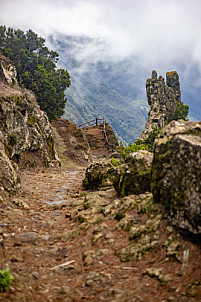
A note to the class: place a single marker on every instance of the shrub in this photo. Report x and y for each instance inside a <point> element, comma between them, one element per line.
<point>146,144</point>
<point>114,162</point>
<point>181,112</point>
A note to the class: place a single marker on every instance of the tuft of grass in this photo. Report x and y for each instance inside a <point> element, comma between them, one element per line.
<point>6,280</point>
<point>83,194</point>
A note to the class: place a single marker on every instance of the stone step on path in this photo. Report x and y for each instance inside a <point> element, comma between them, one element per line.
<point>59,195</point>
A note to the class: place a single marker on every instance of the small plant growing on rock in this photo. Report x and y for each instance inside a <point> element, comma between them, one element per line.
<point>6,280</point>
<point>125,151</point>
<point>114,162</point>
<point>146,144</point>
<point>181,112</point>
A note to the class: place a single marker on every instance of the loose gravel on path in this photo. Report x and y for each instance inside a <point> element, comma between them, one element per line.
<point>63,244</point>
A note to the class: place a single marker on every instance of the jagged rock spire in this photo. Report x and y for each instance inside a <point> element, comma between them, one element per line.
<point>163,99</point>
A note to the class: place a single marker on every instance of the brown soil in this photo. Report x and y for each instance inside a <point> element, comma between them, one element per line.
<point>71,143</point>
<point>35,258</point>
<point>97,142</point>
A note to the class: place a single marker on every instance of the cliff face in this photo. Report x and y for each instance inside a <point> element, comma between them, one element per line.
<point>25,132</point>
<point>163,99</point>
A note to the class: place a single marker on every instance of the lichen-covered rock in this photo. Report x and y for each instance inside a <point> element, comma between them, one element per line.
<point>135,251</point>
<point>8,71</point>
<point>163,99</point>
<point>98,174</point>
<point>26,134</point>
<point>159,274</point>
<point>9,179</point>
<point>176,173</point>
<point>26,130</point>
<point>172,247</point>
<point>134,176</point>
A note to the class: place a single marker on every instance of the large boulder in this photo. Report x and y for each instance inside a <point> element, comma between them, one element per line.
<point>176,173</point>
<point>98,174</point>
<point>27,132</point>
<point>134,176</point>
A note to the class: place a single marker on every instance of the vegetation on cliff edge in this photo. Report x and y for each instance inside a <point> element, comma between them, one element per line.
<point>36,68</point>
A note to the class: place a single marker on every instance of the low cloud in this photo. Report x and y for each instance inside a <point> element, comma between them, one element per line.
<point>157,34</point>
<point>153,30</point>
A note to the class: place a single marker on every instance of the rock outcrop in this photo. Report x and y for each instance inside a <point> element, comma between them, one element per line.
<point>97,141</point>
<point>176,173</point>
<point>163,99</point>
<point>98,174</point>
<point>131,177</point>
<point>7,71</point>
<point>25,132</point>
<point>9,179</point>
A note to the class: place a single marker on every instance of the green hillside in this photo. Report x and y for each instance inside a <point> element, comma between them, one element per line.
<point>97,90</point>
<point>88,100</point>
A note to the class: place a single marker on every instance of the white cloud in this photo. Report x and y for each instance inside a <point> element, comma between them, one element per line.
<point>157,34</point>
<point>154,30</point>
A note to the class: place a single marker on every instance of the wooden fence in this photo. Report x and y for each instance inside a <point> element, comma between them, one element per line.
<point>109,146</point>
<point>94,122</point>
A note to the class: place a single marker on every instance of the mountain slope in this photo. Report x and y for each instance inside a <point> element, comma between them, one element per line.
<point>104,86</point>
<point>99,89</point>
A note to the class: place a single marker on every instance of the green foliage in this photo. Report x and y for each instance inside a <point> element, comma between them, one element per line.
<point>146,144</point>
<point>6,280</point>
<point>36,68</point>
<point>181,112</point>
<point>149,141</point>
<point>114,162</point>
<point>124,151</point>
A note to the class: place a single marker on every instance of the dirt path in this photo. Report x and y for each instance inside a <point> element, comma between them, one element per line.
<point>63,246</point>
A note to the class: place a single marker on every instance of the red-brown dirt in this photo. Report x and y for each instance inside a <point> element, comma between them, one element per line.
<point>97,141</point>
<point>45,246</point>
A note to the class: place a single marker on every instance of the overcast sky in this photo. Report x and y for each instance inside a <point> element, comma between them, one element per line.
<point>160,33</point>
<point>156,30</point>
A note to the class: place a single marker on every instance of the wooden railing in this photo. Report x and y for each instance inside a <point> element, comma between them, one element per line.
<point>109,146</point>
<point>94,122</point>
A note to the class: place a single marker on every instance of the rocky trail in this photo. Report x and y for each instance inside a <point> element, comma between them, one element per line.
<point>63,244</point>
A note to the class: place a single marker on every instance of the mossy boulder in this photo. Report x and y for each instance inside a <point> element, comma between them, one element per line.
<point>98,174</point>
<point>134,176</point>
<point>176,173</point>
